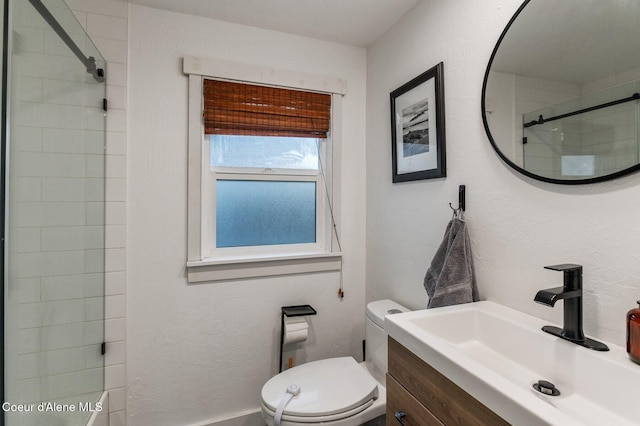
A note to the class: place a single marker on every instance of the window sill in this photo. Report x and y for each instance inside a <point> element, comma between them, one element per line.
<point>223,269</point>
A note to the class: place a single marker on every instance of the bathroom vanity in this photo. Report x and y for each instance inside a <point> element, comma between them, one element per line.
<point>483,363</point>
<point>417,394</point>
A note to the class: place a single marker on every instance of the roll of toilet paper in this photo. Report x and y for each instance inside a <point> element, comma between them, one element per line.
<point>295,330</point>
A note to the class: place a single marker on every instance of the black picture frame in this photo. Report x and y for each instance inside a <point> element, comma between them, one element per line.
<point>418,146</point>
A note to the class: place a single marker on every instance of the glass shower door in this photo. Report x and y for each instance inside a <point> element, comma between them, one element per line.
<point>54,277</point>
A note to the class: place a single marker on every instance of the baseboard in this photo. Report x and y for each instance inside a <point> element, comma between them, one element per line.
<point>244,418</point>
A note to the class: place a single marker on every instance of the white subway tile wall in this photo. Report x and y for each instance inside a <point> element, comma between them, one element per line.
<point>106,22</point>
<point>56,242</point>
<point>70,222</point>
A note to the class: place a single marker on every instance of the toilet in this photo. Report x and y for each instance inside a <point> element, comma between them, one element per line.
<point>335,391</point>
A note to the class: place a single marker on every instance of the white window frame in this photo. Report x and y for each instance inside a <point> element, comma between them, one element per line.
<point>207,264</point>
<point>209,249</point>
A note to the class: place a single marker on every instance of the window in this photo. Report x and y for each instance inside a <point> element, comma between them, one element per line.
<point>275,201</point>
<point>260,181</point>
<point>265,186</point>
<point>267,192</point>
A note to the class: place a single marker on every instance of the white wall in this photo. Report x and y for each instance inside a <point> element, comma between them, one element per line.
<point>202,352</point>
<point>517,225</point>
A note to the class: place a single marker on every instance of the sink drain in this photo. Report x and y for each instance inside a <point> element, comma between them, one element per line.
<point>546,388</point>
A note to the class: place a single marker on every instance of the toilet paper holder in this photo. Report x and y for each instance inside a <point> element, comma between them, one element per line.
<point>291,311</point>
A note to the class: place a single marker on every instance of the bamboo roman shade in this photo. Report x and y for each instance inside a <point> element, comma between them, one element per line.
<point>243,109</point>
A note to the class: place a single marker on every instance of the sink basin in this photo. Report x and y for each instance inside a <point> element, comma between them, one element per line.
<point>496,354</point>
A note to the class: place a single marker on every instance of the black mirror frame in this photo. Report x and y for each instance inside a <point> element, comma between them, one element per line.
<point>504,157</point>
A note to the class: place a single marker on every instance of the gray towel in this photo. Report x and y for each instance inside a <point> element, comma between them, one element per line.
<point>450,279</point>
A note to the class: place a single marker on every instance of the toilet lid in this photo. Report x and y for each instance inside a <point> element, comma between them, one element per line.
<point>327,387</point>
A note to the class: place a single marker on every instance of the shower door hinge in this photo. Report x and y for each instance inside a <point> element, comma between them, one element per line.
<point>104,104</point>
<point>103,348</point>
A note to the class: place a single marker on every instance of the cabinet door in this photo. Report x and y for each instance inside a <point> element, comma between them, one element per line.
<point>399,400</point>
<point>447,401</point>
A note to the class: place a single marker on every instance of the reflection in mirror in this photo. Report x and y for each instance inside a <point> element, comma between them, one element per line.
<point>560,99</point>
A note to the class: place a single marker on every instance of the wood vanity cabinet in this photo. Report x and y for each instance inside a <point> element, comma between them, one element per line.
<point>426,397</point>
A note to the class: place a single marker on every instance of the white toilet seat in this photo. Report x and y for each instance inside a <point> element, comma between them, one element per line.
<point>330,390</point>
<point>321,419</point>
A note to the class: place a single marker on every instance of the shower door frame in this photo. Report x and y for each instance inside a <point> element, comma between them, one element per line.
<point>3,176</point>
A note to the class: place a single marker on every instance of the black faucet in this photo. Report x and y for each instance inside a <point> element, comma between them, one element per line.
<point>571,292</point>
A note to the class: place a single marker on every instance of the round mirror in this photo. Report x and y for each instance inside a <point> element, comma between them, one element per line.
<point>561,94</point>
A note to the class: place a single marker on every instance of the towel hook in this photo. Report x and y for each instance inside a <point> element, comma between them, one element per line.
<point>461,201</point>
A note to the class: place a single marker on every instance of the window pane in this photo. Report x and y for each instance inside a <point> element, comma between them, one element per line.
<point>264,151</point>
<point>257,213</point>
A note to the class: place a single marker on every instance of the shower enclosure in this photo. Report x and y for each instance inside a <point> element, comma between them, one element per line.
<point>53,183</point>
<point>594,135</point>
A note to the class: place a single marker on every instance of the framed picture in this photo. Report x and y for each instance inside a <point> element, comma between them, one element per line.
<point>417,128</point>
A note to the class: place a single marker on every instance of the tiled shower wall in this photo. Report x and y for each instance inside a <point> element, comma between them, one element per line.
<point>610,134</point>
<point>55,234</point>
<point>532,94</point>
<point>44,160</point>
<point>106,22</point>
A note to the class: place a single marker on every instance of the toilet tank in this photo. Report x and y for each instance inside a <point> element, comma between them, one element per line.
<point>376,337</point>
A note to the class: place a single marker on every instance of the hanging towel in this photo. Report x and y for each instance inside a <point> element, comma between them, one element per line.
<point>450,279</point>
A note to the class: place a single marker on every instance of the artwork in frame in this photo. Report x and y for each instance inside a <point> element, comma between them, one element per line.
<point>417,128</point>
